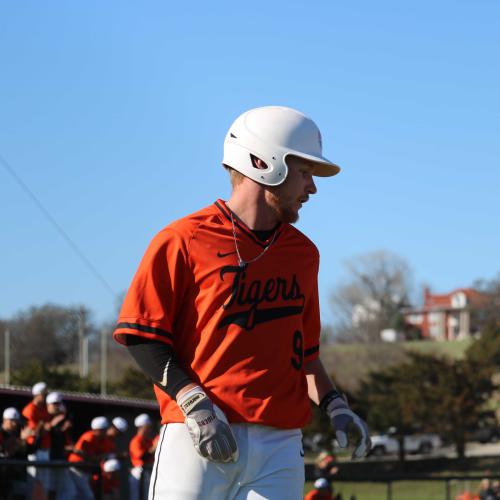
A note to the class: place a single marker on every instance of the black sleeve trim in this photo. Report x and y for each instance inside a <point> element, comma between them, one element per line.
<point>312,350</point>
<point>145,329</point>
<point>158,360</point>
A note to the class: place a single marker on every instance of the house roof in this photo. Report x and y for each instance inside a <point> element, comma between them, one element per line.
<point>443,302</point>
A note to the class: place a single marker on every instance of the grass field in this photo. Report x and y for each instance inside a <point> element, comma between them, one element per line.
<point>451,348</point>
<point>454,349</point>
<point>353,362</point>
<point>402,490</point>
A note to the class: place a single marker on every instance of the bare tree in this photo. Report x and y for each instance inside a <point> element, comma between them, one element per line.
<point>48,334</point>
<point>370,299</point>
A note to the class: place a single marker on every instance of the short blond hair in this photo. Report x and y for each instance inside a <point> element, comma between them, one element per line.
<point>235,176</point>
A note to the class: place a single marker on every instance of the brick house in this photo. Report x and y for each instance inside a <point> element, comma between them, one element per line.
<point>448,316</point>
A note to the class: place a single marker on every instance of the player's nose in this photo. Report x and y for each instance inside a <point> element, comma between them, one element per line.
<point>311,186</point>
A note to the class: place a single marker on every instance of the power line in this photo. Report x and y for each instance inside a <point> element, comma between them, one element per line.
<point>57,227</point>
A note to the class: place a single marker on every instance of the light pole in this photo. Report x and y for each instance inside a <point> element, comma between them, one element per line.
<point>6,352</point>
<point>83,344</point>
<point>104,361</point>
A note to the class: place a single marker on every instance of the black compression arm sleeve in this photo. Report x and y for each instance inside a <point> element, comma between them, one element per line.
<point>159,361</point>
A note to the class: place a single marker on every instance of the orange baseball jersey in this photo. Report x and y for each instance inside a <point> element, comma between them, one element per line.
<point>35,416</point>
<point>139,447</point>
<point>318,495</point>
<point>242,333</point>
<point>93,446</point>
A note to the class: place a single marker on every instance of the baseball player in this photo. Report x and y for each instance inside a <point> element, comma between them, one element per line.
<point>322,490</point>
<point>116,435</point>
<point>38,420</point>
<point>61,484</point>
<point>141,451</point>
<point>13,445</point>
<point>110,487</point>
<point>223,314</point>
<point>92,446</point>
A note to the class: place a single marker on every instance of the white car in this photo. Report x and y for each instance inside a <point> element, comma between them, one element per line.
<point>386,444</point>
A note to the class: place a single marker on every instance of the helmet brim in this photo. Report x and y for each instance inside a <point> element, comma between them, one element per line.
<point>321,166</point>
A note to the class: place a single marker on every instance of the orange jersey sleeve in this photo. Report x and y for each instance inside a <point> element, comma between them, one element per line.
<point>30,414</point>
<point>155,295</point>
<point>81,445</point>
<point>243,333</point>
<point>92,446</point>
<point>35,415</point>
<point>318,495</point>
<point>139,451</point>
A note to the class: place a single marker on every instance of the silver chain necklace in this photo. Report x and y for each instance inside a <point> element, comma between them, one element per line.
<point>244,263</point>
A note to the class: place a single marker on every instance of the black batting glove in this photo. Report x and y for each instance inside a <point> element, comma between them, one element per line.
<point>344,419</point>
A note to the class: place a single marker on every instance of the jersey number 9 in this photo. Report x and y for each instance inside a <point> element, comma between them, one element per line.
<point>298,350</point>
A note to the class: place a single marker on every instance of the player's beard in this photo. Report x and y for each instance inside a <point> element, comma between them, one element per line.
<point>285,211</point>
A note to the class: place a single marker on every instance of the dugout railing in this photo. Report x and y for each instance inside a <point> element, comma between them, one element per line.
<point>387,480</point>
<point>8,468</point>
<point>7,465</point>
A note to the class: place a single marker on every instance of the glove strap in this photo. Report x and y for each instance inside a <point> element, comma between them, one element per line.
<point>328,398</point>
<point>187,402</point>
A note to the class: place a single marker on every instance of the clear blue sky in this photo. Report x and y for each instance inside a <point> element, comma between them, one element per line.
<point>114,113</point>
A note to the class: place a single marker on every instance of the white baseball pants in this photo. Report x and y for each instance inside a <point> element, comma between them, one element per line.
<point>270,466</point>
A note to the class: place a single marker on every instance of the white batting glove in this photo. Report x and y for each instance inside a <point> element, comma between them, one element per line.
<point>344,419</point>
<point>209,429</point>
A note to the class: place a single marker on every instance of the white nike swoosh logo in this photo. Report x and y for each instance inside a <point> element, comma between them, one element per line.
<point>165,373</point>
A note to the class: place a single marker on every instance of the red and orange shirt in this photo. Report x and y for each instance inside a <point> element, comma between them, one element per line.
<point>110,483</point>
<point>139,453</point>
<point>242,333</point>
<point>92,446</point>
<point>35,416</point>
<point>318,495</point>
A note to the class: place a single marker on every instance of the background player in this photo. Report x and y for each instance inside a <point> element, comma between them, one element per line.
<point>93,446</point>
<point>61,444</point>
<point>141,450</point>
<point>38,420</point>
<point>223,314</point>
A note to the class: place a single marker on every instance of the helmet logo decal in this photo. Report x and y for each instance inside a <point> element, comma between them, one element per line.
<point>258,163</point>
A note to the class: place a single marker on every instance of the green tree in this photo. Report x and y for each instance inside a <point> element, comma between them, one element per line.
<point>486,313</point>
<point>485,350</point>
<point>135,384</point>
<point>428,394</point>
<point>57,379</point>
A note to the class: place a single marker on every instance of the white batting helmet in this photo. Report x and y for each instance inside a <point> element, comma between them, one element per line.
<point>11,413</point>
<point>111,465</point>
<point>142,419</point>
<point>99,423</point>
<point>120,423</point>
<point>272,133</point>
